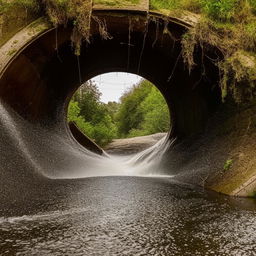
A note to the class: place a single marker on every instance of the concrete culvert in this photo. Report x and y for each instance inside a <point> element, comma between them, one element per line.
<point>38,80</point>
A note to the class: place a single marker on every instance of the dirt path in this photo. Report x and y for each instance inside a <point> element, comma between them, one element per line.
<point>133,145</point>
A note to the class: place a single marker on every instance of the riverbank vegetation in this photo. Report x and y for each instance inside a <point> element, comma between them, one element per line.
<point>142,110</point>
<point>230,27</point>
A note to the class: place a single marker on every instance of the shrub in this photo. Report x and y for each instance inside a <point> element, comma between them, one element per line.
<point>222,10</point>
<point>228,164</point>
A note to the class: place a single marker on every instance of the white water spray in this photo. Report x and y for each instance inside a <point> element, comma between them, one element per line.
<point>11,128</point>
<point>54,155</point>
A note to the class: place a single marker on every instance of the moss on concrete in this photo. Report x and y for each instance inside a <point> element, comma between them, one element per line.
<point>14,15</point>
<point>20,39</point>
<point>240,143</point>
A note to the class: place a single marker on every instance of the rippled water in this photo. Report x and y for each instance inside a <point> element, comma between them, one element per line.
<point>125,216</point>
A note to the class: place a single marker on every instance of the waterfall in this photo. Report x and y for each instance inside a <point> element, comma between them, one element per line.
<point>52,154</point>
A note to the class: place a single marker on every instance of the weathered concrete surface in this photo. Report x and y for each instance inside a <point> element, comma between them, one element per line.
<point>248,188</point>
<point>20,40</point>
<point>133,145</point>
<point>238,138</point>
<point>229,136</point>
<point>13,19</point>
<point>143,5</point>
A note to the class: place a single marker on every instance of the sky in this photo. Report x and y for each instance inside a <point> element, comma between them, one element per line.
<point>113,85</point>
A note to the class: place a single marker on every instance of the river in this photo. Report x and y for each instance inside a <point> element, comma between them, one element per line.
<point>126,216</point>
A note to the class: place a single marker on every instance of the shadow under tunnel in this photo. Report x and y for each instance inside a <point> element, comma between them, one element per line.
<point>42,78</point>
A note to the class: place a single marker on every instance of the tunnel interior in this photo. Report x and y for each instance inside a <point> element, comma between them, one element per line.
<point>40,81</point>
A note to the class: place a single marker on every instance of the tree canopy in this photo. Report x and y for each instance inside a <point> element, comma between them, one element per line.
<point>92,116</point>
<point>142,111</point>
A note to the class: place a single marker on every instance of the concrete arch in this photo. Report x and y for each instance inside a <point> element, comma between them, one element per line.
<point>38,81</point>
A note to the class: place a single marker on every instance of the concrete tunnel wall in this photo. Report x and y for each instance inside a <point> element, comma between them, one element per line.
<point>41,79</point>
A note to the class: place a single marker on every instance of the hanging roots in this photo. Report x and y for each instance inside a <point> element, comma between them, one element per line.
<point>130,30</point>
<point>56,11</point>
<point>239,76</point>
<point>157,22</point>
<point>235,46</point>
<point>77,11</point>
<point>82,12</point>
<point>102,25</point>
<point>144,42</point>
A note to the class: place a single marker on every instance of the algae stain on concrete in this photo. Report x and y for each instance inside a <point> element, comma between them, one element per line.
<point>139,5</point>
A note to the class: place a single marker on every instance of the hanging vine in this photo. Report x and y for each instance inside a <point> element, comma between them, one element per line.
<point>60,12</point>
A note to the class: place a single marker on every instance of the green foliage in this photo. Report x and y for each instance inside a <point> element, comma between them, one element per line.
<point>104,131</point>
<point>222,10</point>
<point>74,115</point>
<point>14,15</point>
<point>88,97</point>
<point>92,116</point>
<point>79,12</point>
<point>239,76</point>
<point>230,27</point>
<point>12,52</point>
<point>74,112</point>
<point>143,111</point>
<point>253,5</point>
<point>163,4</point>
<point>228,164</point>
<point>155,113</point>
<point>174,5</point>
<point>130,115</point>
<point>112,108</point>
<point>29,5</point>
<point>191,5</point>
<point>251,30</point>
<point>218,10</point>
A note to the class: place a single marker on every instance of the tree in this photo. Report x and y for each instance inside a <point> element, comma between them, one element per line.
<point>156,113</point>
<point>91,115</point>
<point>143,111</point>
<point>88,98</point>
<point>113,108</point>
<point>129,115</point>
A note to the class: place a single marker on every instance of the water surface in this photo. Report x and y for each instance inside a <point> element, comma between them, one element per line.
<point>125,216</point>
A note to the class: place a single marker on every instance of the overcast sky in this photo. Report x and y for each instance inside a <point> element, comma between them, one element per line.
<point>112,85</point>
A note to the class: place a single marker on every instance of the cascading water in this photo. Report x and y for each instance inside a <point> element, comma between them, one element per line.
<point>11,129</point>
<point>52,154</point>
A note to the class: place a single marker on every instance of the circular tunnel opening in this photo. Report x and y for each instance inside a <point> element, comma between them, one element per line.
<point>120,112</point>
<point>39,81</point>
